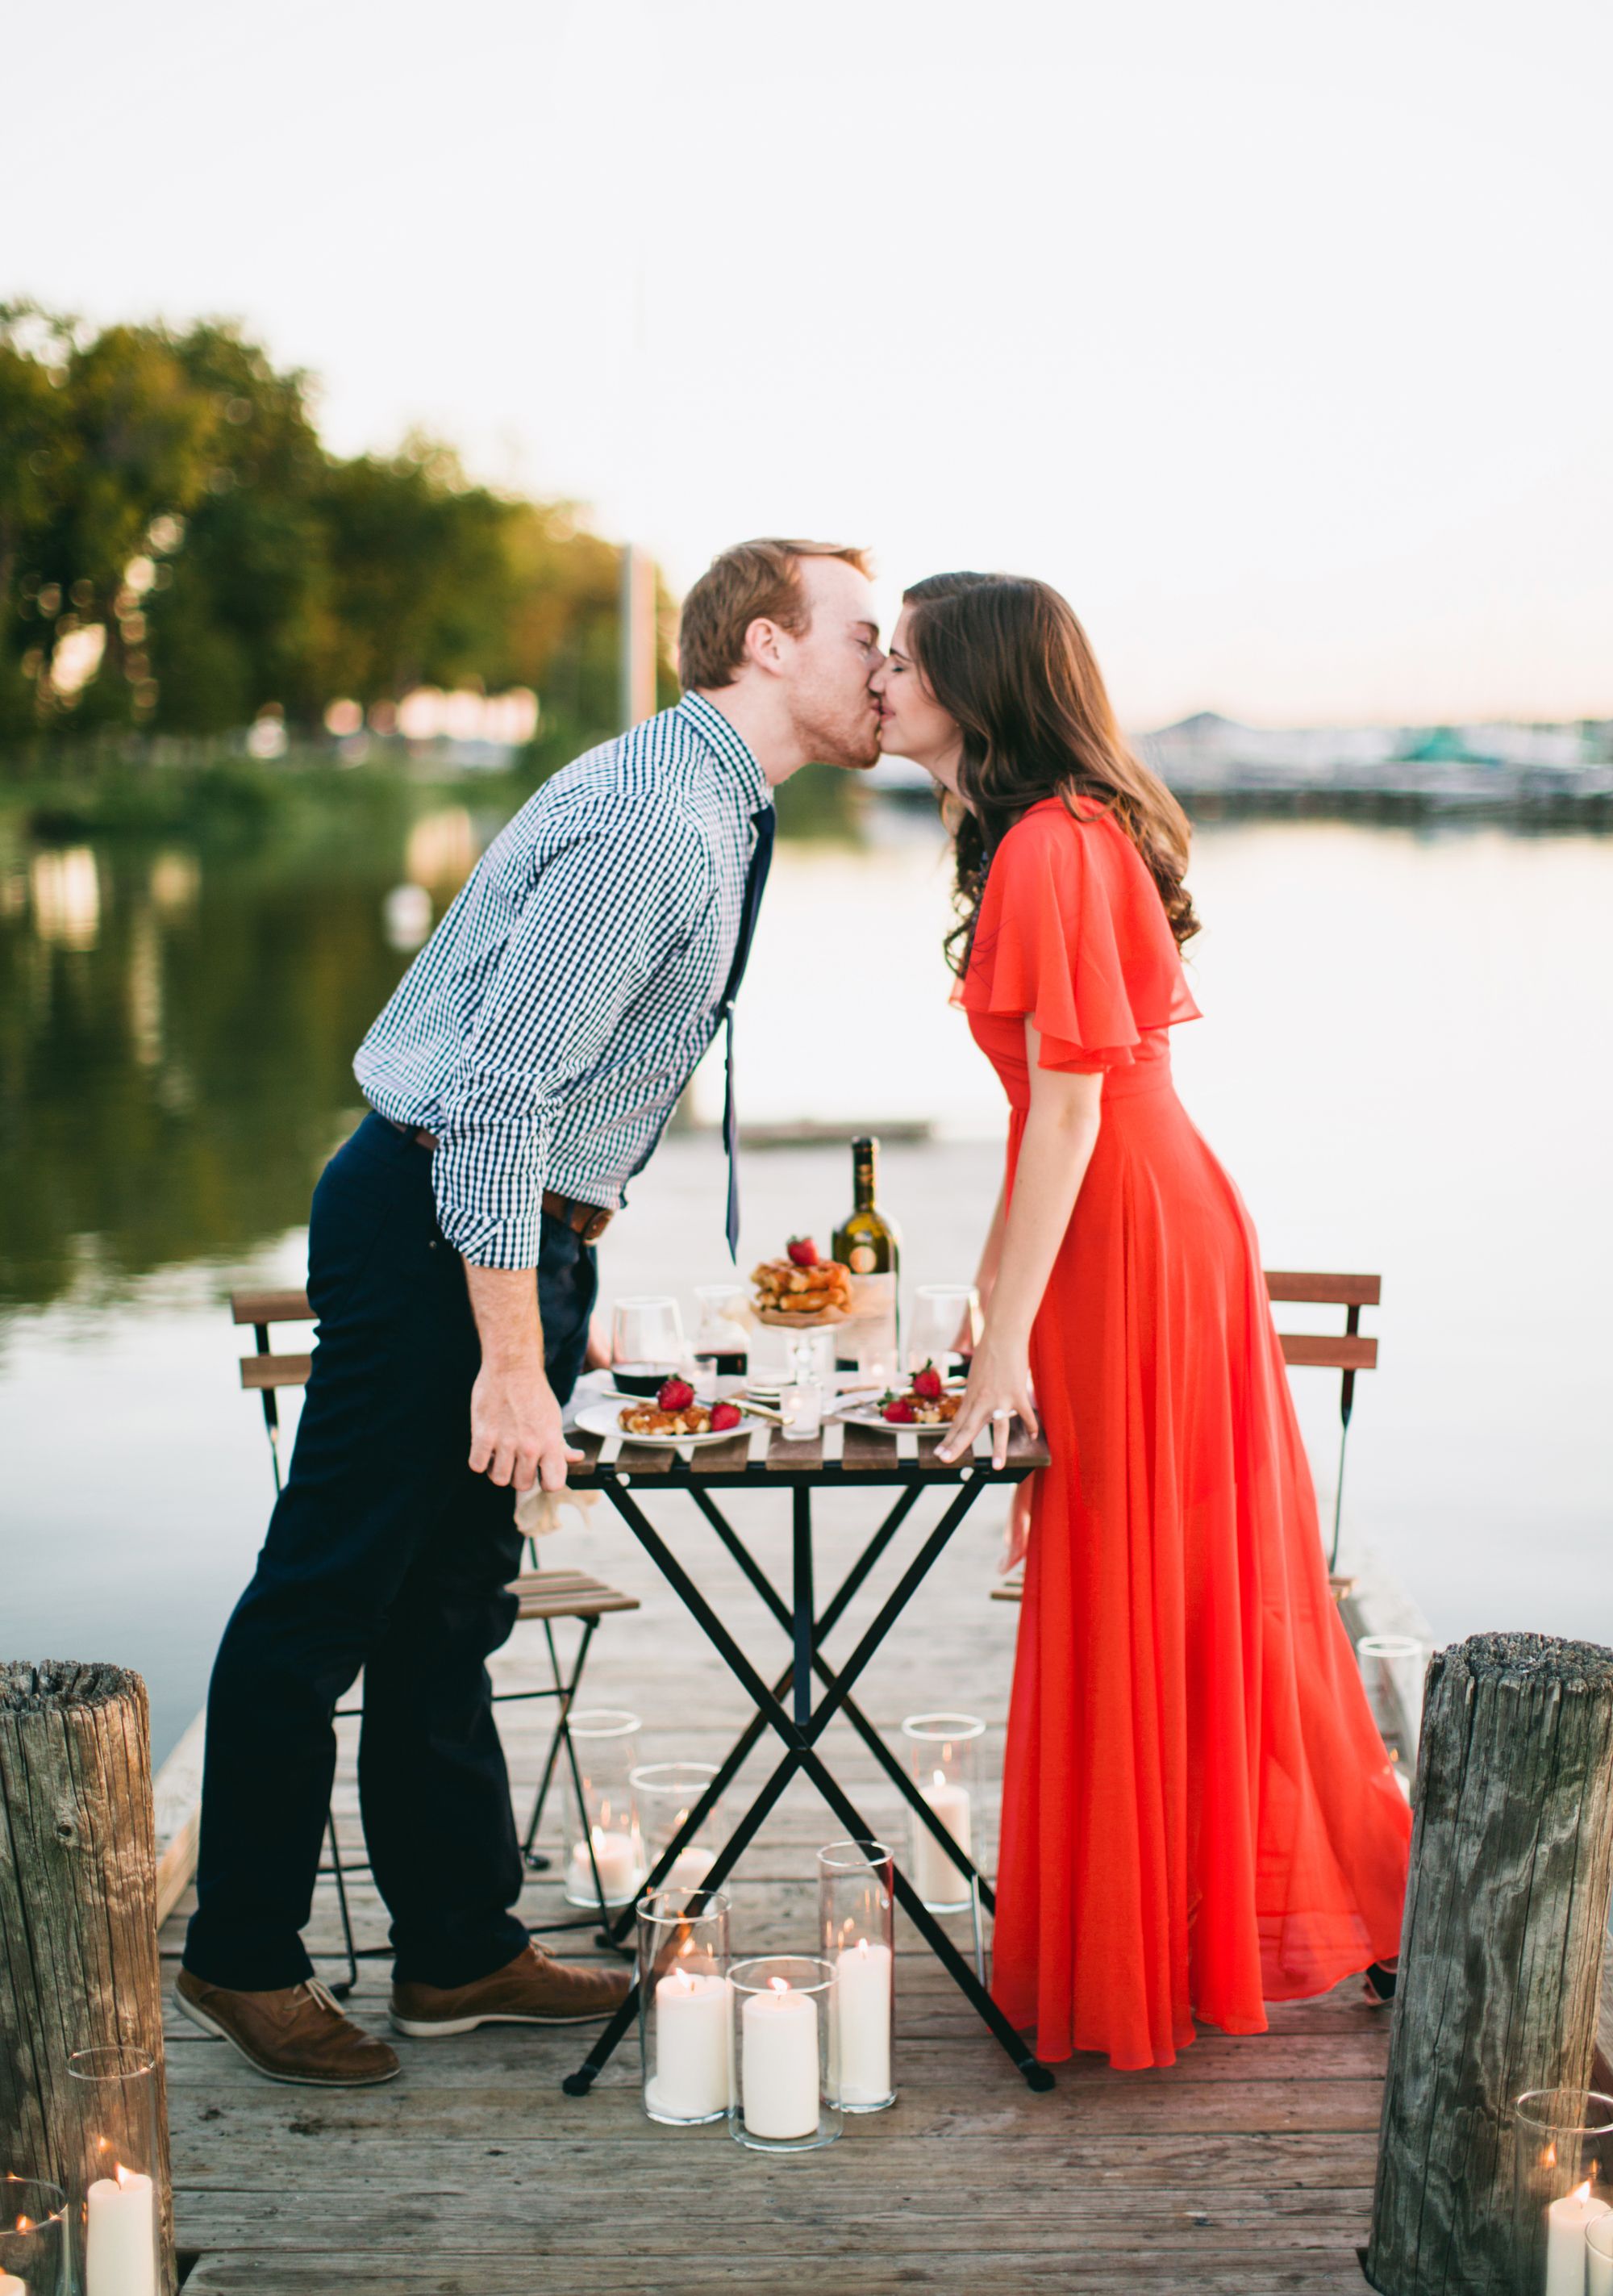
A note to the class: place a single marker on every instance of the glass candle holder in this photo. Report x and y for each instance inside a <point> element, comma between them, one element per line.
<point>1563,2151</point>
<point>116,2205</point>
<point>856,1926</point>
<point>605,1850</point>
<point>786,2081</point>
<point>944,1751</point>
<point>664,1794</point>
<point>33,2238</point>
<point>685,2007</point>
<point>1599,2256</point>
<point>802,1409</point>
<point>646,1342</point>
<point>1392,1668</point>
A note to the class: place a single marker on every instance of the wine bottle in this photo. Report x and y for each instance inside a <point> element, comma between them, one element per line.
<point>870,1245</point>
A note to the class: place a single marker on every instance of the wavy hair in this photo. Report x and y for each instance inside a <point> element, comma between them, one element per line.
<point>1006,658</point>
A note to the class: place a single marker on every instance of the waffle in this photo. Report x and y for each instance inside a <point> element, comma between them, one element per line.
<point>788,1294</point>
<point>649,1419</point>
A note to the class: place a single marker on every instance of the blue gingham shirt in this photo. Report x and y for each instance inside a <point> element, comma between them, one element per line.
<point>546,1029</point>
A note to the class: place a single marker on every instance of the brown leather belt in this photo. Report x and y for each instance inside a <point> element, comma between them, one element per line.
<point>588,1221</point>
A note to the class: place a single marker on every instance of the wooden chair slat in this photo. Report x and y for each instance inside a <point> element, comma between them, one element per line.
<point>1009,1590</point>
<point>270,1306</point>
<point>582,1603</point>
<point>1326,1291</point>
<point>275,1371</point>
<point>1329,1350</point>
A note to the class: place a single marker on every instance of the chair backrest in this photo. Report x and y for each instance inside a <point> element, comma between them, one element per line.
<point>263,1372</point>
<point>1347,1351</point>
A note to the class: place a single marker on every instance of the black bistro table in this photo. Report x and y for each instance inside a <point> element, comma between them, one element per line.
<point>801,1704</point>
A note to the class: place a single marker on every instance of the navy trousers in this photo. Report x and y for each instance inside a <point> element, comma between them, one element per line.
<point>384,1553</point>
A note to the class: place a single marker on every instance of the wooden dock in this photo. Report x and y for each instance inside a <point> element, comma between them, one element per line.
<point>1246,2169</point>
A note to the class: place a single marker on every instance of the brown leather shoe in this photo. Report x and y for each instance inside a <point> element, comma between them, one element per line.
<point>297,2033</point>
<point>533,1989</point>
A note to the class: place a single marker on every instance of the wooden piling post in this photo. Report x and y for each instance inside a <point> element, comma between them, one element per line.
<point>78,1962</point>
<point>1502,1951</point>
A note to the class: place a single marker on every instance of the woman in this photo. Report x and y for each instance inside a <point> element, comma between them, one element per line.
<point>1198,1813</point>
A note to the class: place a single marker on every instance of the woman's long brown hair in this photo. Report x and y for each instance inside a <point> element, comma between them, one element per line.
<point>1007,658</point>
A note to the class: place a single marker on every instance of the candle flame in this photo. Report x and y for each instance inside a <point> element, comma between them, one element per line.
<point>862,1947</point>
<point>25,2224</point>
<point>940,1777</point>
<point>684,1981</point>
<point>596,1834</point>
<point>1548,2158</point>
<point>1581,2192</point>
<point>126,2176</point>
<point>687,1947</point>
<point>779,1984</point>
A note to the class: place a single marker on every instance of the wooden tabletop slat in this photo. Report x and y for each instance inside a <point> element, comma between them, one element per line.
<point>723,1458</point>
<point>645,1459</point>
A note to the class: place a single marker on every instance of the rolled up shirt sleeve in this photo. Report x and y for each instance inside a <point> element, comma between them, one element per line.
<point>604,911</point>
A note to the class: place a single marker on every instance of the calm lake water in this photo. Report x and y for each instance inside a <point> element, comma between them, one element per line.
<point>1405,1063</point>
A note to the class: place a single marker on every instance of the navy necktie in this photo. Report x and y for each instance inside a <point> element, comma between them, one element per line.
<point>760,861</point>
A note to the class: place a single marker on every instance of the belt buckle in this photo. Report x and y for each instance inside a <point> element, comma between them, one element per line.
<point>594,1226</point>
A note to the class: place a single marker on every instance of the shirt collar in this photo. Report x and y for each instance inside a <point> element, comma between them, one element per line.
<point>728,744</point>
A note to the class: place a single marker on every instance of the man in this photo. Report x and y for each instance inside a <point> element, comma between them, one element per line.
<point>519,1078</point>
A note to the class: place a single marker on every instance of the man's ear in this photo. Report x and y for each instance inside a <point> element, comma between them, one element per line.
<point>765,646</point>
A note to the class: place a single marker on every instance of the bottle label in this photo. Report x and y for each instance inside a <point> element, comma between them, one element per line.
<point>865,1259</point>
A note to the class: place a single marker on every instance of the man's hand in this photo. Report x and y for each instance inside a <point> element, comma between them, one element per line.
<point>515,1429</point>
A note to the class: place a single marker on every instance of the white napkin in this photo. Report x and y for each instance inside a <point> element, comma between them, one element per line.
<point>538,1511</point>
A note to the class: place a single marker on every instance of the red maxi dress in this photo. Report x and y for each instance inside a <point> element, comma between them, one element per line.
<point>1198,1812</point>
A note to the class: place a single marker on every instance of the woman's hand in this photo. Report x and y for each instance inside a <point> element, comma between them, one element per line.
<point>999,1386</point>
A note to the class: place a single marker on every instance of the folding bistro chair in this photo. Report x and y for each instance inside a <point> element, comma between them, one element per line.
<point>1345,1352</point>
<point>545,1596</point>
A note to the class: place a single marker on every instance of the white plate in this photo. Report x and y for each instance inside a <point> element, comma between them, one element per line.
<point>602,1419</point>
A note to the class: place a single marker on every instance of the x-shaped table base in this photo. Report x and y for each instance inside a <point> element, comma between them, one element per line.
<point>801,1724</point>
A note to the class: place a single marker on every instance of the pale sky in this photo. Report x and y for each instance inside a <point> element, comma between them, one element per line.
<point>1278,336</point>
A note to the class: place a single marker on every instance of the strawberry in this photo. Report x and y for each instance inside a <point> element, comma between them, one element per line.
<point>675,1395</point>
<point>802,1251</point>
<point>927,1384</point>
<point>900,1412</point>
<point>725,1415</point>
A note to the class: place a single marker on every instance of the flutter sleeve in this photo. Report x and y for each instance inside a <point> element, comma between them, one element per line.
<point>1073,937</point>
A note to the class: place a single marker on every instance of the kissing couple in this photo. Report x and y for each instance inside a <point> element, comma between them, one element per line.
<point>1198,1813</point>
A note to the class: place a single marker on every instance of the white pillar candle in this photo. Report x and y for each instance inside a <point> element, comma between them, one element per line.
<point>1566,2250</point>
<point>9,2285</point>
<point>780,2063</point>
<point>935,1877</point>
<point>690,1867</point>
<point>862,2008</point>
<point>1598,2272</point>
<point>693,2045</point>
<point>616,1854</point>
<point>120,2240</point>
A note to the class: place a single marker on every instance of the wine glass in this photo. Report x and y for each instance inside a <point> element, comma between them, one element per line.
<point>646,1342</point>
<point>945,1326</point>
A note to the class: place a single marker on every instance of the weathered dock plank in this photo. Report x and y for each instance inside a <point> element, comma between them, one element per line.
<point>1244,2170</point>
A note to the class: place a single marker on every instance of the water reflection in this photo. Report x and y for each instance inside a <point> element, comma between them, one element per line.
<point>175,1039</point>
